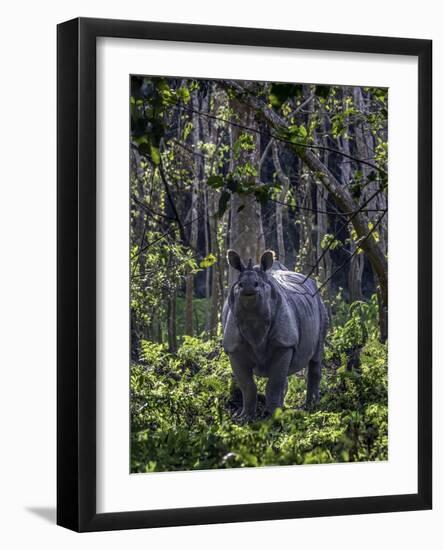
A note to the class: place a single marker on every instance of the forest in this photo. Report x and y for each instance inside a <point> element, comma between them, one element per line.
<point>300,169</point>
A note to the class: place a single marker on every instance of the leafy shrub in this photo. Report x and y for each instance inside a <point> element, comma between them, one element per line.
<point>353,325</point>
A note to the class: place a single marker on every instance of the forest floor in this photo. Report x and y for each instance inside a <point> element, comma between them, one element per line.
<point>181,413</point>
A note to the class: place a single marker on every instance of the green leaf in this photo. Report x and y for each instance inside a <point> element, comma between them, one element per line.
<point>140,139</point>
<point>330,242</point>
<point>155,155</point>
<point>184,94</point>
<point>375,234</point>
<point>297,134</point>
<point>209,260</point>
<point>303,132</point>
<point>187,130</point>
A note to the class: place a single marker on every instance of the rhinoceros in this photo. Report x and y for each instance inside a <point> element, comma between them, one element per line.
<point>274,324</point>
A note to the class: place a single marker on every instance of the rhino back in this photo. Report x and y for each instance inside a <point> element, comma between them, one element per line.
<point>300,316</point>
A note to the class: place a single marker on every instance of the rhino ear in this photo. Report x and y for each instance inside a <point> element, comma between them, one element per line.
<point>235,261</point>
<point>267,260</point>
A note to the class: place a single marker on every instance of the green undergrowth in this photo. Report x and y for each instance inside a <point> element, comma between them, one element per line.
<point>181,412</point>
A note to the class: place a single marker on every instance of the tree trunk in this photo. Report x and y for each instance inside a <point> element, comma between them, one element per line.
<point>135,338</point>
<point>208,247</point>
<point>193,212</point>
<point>172,323</point>
<point>284,181</point>
<point>246,229</point>
<point>325,265</point>
<point>213,318</point>
<point>357,261</point>
<point>306,257</point>
<point>355,275</point>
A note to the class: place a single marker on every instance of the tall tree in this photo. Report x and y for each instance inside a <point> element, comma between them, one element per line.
<point>193,215</point>
<point>246,228</point>
<point>279,205</point>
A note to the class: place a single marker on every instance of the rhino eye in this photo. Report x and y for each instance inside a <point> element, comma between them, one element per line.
<point>255,284</point>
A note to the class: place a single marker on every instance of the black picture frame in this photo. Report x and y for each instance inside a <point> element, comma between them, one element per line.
<point>76,281</point>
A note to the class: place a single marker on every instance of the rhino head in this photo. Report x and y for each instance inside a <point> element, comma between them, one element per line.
<point>251,296</point>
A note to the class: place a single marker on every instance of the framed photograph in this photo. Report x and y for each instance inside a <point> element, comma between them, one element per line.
<point>244,274</point>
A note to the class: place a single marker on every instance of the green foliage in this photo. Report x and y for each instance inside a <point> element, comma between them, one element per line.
<point>244,142</point>
<point>157,271</point>
<point>330,242</point>
<point>181,414</point>
<point>354,325</point>
<point>297,134</point>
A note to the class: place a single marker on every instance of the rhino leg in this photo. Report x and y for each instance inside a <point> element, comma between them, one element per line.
<point>314,377</point>
<point>277,384</point>
<point>243,371</point>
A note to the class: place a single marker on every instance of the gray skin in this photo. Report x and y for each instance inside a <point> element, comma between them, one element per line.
<point>273,326</point>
